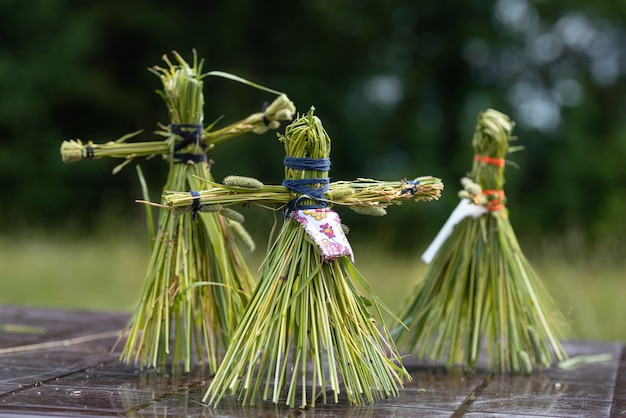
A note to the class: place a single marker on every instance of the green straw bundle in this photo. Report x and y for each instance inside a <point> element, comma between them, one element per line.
<point>307,328</point>
<point>366,196</point>
<point>479,288</point>
<point>197,283</point>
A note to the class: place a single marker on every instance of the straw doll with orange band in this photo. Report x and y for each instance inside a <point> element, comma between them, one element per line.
<point>480,290</point>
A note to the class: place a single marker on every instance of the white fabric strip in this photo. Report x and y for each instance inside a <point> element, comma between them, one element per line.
<point>464,209</point>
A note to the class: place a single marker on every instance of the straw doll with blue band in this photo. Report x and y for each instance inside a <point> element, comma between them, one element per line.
<point>197,283</point>
<point>480,290</point>
<point>307,330</point>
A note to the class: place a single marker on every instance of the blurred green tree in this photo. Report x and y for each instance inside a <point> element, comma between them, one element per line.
<point>398,84</point>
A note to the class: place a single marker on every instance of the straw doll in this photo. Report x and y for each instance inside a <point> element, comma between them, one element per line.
<point>480,289</point>
<point>307,325</point>
<point>197,283</point>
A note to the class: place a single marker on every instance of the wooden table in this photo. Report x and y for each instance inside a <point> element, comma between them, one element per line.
<point>59,363</point>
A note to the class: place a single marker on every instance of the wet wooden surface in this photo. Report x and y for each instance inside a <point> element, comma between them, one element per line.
<point>60,363</point>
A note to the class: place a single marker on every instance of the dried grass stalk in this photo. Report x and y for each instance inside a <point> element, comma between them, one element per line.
<point>480,290</point>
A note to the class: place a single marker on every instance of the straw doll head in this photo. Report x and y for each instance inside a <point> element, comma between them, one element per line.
<point>307,162</point>
<point>182,89</point>
<point>491,144</point>
<point>183,95</point>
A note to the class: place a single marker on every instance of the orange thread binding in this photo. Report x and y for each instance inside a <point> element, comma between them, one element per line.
<point>496,204</point>
<point>488,160</point>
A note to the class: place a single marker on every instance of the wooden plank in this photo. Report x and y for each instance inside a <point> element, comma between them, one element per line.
<point>55,362</point>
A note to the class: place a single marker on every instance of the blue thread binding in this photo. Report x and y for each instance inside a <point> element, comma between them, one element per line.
<point>89,152</point>
<point>411,187</point>
<point>303,187</point>
<point>266,120</point>
<point>317,164</point>
<point>196,205</point>
<point>191,133</point>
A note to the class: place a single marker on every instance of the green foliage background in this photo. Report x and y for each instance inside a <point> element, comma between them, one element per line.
<point>398,85</point>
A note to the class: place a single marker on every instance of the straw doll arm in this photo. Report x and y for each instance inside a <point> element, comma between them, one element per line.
<point>371,197</point>
<point>365,196</point>
<point>281,109</point>
<point>73,150</point>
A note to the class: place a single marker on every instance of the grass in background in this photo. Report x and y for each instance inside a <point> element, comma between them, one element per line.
<point>103,272</point>
<point>588,281</point>
<point>106,272</point>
